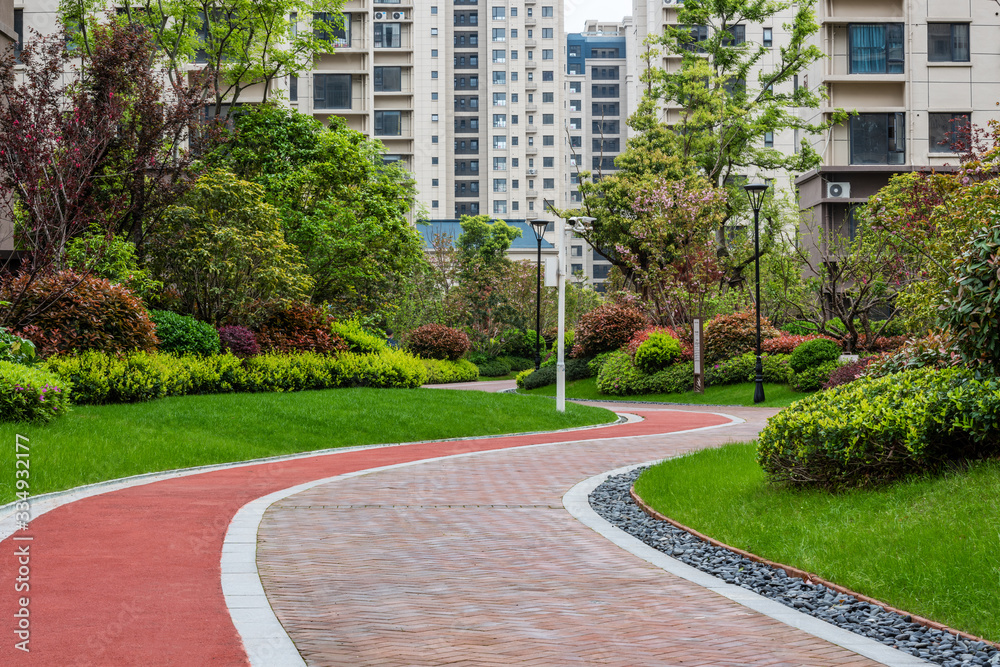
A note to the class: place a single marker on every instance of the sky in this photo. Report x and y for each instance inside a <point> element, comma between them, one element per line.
<point>579,11</point>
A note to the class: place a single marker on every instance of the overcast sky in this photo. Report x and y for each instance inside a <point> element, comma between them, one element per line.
<point>579,11</point>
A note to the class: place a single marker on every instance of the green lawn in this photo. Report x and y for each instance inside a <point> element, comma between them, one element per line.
<point>96,443</point>
<point>929,546</point>
<point>777,395</point>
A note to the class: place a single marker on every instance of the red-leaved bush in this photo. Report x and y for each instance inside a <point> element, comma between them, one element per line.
<point>298,327</point>
<point>239,341</point>
<point>436,341</point>
<point>608,327</point>
<point>729,336</point>
<point>62,313</point>
<point>687,347</point>
<point>786,342</point>
<point>849,372</point>
<point>881,343</point>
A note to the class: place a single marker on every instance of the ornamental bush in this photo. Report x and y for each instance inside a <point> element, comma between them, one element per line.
<point>729,336</point>
<point>876,430</point>
<point>16,349</point>
<point>812,378</point>
<point>297,327</point>
<point>436,341</point>
<point>238,341</point>
<point>608,327</point>
<point>848,372</point>
<point>519,363</point>
<point>744,369</point>
<point>786,343</point>
<point>657,352</point>
<point>31,394</point>
<point>80,313</point>
<point>972,308</point>
<point>935,350</point>
<point>619,376</point>
<point>576,369</point>
<point>494,368</point>
<point>813,353</point>
<point>358,340</point>
<point>183,334</point>
<point>681,336</point>
<point>444,371</point>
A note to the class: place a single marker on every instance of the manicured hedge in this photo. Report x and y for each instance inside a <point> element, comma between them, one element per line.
<point>183,334</point>
<point>100,378</point>
<point>744,369</point>
<point>444,371</point>
<point>494,368</point>
<point>358,340</point>
<point>875,430</point>
<point>576,369</point>
<point>658,351</point>
<point>619,376</point>
<point>31,394</point>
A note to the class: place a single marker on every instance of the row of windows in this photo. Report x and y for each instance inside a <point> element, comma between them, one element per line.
<point>880,138</point>
<point>574,51</point>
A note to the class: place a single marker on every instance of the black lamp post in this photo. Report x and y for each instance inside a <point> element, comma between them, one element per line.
<point>538,225</point>
<point>755,191</point>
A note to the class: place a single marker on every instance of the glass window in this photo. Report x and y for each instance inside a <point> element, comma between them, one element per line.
<point>388,79</point>
<point>500,143</point>
<point>388,123</point>
<point>338,36</point>
<point>387,35</point>
<point>946,130</point>
<point>737,35</point>
<point>548,183</point>
<point>878,138</point>
<point>548,75</point>
<point>547,11</point>
<point>548,119</point>
<point>293,89</point>
<point>699,33</point>
<point>499,120</point>
<point>500,207</point>
<point>499,99</point>
<point>548,162</point>
<point>768,36</point>
<point>549,140</point>
<point>575,86</point>
<point>548,98</point>
<point>876,48</point>
<point>547,54</point>
<point>769,140</point>
<point>499,55</point>
<point>499,185</point>
<point>546,33</point>
<point>499,164</point>
<point>499,77</point>
<point>948,42</point>
<point>499,13</point>
<point>576,123</point>
<point>332,91</point>
<point>19,32</point>
<point>499,35</point>
<point>576,105</point>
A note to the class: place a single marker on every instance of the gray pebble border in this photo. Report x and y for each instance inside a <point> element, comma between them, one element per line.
<point>612,502</point>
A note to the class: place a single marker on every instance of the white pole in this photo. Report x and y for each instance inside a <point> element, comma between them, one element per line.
<point>561,331</point>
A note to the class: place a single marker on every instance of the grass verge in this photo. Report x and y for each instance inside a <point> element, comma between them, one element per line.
<point>97,443</point>
<point>777,395</point>
<point>929,546</point>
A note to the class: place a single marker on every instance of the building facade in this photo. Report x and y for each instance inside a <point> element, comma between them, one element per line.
<point>11,25</point>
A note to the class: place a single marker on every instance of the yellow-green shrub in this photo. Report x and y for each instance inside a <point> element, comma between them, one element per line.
<point>31,394</point>
<point>443,371</point>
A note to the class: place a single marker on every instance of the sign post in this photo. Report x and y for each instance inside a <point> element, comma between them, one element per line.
<point>699,355</point>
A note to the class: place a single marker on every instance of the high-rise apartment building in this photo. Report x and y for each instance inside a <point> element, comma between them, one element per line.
<point>11,26</point>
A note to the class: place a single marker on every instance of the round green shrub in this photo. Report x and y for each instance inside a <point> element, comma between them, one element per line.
<point>31,394</point>
<point>973,304</point>
<point>657,352</point>
<point>619,376</point>
<point>812,378</point>
<point>183,334</point>
<point>493,368</point>
<point>813,353</point>
<point>875,430</point>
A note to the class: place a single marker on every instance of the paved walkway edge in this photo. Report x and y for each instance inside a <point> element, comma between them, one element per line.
<point>264,639</point>
<point>577,503</point>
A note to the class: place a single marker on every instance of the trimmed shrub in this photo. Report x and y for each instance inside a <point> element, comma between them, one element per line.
<point>682,337</point>
<point>298,327</point>
<point>608,327</point>
<point>813,353</point>
<point>15,349</point>
<point>183,334</point>
<point>812,378</point>
<point>848,372</point>
<point>519,363</point>
<point>358,340</point>
<point>79,314</point>
<point>31,394</point>
<point>881,343</point>
<point>238,341</point>
<point>799,328</point>
<point>619,376</point>
<point>973,303</point>
<point>876,430</point>
<point>729,336</point>
<point>443,371</point>
<point>494,368</point>
<point>597,363</point>
<point>519,343</point>
<point>436,341</point>
<point>744,369</point>
<point>522,376</point>
<point>786,343</point>
<point>576,369</point>
<point>657,352</point>
<point>936,350</point>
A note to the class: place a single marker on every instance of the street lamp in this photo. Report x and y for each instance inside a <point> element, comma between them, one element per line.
<point>579,225</point>
<point>538,225</point>
<point>755,192</point>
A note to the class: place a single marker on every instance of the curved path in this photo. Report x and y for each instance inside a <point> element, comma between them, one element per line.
<point>468,560</point>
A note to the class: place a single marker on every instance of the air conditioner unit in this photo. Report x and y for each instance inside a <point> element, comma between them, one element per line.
<point>380,16</point>
<point>532,171</point>
<point>838,190</point>
<point>399,16</point>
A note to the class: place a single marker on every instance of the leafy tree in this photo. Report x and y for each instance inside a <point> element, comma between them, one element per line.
<point>222,249</point>
<point>340,205</point>
<point>484,242</point>
<point>240,44</point>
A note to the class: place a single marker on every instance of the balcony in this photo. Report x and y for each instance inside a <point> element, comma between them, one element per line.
<point>530,20</point>
<point>531,129</point>
<point>531,194</point>
<point>531,85</point>
<point>531,150</point>
<point>531,107</point>
<point>530,64</point>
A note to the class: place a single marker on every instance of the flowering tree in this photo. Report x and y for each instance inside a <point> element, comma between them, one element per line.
<point>672,256</point>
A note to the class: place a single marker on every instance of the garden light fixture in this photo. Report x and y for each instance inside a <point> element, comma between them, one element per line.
<point>755,192</point>
<point>538,225</point>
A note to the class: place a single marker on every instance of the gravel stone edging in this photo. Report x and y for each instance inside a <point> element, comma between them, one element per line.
<point>612,500</point>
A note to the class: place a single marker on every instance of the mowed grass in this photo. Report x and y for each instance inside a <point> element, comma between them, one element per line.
<point>928,546</point>
<point>97,443</point>
<point>777,395</point>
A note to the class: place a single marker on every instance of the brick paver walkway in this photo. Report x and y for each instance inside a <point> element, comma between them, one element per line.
<point>474,561</point>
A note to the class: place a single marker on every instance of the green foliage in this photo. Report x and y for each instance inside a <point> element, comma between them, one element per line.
<point>872,431</point>
<point>223,248</point>
<point>436,341</point>
<point>812,378</point>
<point>484,241</point>
<point>608,327</point>
<point>63,312</point>
<point>182,334</point>
<point>813,353</point>
<point>597,363</point>
<point>519,363</point>
<point>729,336</point>
<point>520,378</point>
<point>935,350</point>
<point>744,369</point>
<point>100,378</point>
<point>494,368</point>
<point>15,349</point>
<point>443,371</point>
<point>31,394</point>
<point>112,258</point>
<point>576,369</point>
<point>619,376</point>
<point>972,308</point>
<point>358,340</point>
<point>657,352</point>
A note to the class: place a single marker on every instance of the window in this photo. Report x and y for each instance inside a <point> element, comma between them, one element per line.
<point>499,55</point>
<point>499,120</point>
<point>293,89</point>
<point>876,48</point>
<point>576,269</point>
<point>576,123</point>
<point>576,105</point>
<point>948,42</point>
<point>878,138</point>
<point>947,129</point>
<point>434,203</point>
<point>513,76</point>
<point>499,164</point>
<point>499,13</point>
<point>19,31</point>
<point>499,99</point>
<point>548,75</point>
<point>575,87</point>
<point>548,184</point>
<point>513,140</point>
<point>499,35</point>
<point>499,185</point>
<point>513,54</point>
<point>435,182</point>
<point>332,91</point>
<point>699,33</point>
<point>499,77</point>
<point>572,51</point>
<point>434,9</point>
<point>434,160</point>
<point>387,35</point>
<point>434,74</point>
<point>434,118</point>
<point>434,32</point>
<point>547,11</point>
<point>513,119</point>
<point>548,98</point>
<point>434,95</point>
<point>434,139</point>
<point>601,270</point>
<point>547,54</point>
<point>548,162</point>
<point>513,33</point>
<point>434,53</point>
<point>500,207</point>
<point>548,119</point>
<point>769,140</point>
<point>388,123</point>
<point>737,35</point>
<point>576,141</point>
<point>546,33</point>
<point>500,143</point>
<point>549,140</point>
<point>338,36</point>
<point>768,36</point>
<point>513,161</point>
